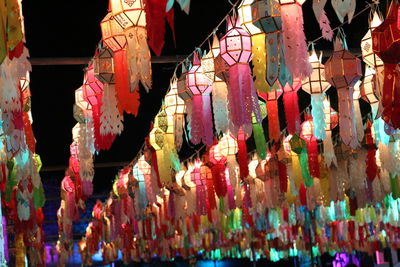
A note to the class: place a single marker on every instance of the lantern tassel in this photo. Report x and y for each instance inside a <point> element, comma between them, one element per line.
<point>220,98</point>
<point>259,62</point>
<point>292,113</point>
<point>294,40</point>
<point>197,129</point>
<point>346,117</point>
<point>242,157</point>
<point>317,111</point>
<point>272,55</point>
<point>218,174</point>
<point>329,153</point>
<point>259,139</point>
<point>208,134</point>
<point>274,130</point>
<point>358,120</point>
<point>110,119</point>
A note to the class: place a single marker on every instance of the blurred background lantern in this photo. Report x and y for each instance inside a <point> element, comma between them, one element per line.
<point>258,45</point>
<point>228,147</point>
<point>140,176</point>
<point>343,70</point>
<point>200,86</point>
<point>258,132</point>
<point>175,107</point>
<point>386,44</point>
<point>201,205</point>
<point>316,85</point>
<point>218,170</point>
<point>166,123</point>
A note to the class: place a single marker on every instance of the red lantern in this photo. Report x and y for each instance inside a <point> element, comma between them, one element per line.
<point>386,44</point>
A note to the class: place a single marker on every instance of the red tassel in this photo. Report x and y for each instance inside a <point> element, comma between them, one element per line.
<point>303,195</point>
<point>127,101</point>
<point>274,130</point>
<point>351,228</point>
<point>211,194</point>
<point>242,155</point>
<point>372,168</point>
<point>292,113</point>
<point>283,181</point>
<point>218,174</point>
<point>312,150</point>
<point>30,138</point>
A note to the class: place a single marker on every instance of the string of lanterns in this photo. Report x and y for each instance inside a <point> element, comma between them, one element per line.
<point>293,195</point>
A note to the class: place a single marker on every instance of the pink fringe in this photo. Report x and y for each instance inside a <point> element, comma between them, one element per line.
<point>292,113</point>
<point>196,120</point>
<point>294,40</point>
<point>208,134</point>
<point>325,26</point>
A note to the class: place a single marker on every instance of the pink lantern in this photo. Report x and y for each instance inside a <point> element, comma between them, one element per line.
<point>200,87</point>
<point>235,49</point>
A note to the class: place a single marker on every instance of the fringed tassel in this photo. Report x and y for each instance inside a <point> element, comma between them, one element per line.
<point>391,96</point>
<point>259,139</point>
<point>110,119</point>
<point>208,134</point>
<point>346,117</point>
<point>317,112</point>
<point>358,120</point>
<point>312,151</point>
<point>242,155</point>
<point>294,40</point>
<point>220,109</point>
<point>143,59</point>
<point>218,174</point>
<point>259,62</point>
<point>197,128</point>
<point>292,113</point>
<point>274,130</point>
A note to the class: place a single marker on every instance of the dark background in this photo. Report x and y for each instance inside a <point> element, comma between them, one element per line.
<point>71,29</point>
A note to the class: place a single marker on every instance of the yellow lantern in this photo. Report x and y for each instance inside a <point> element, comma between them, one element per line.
<point>157,142</point>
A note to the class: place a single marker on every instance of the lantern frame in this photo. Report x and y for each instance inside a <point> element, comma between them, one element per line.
<point>174,105</point>
<point>92,88</point>
<point>316,83</point>
<point>196,81</point>
<point>112,34</point>
<point>183,91</point>
<point>128,13</point>
<point>266,15</point>
<point>103,65</point>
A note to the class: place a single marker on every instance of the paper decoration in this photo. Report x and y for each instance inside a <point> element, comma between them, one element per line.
<point>291,105</point>
<point>320,15</point>
<point>343,70</point>
<point>387,50</point>
<point>218,171</point>
<point>343,8</point>
<point>273,116</point>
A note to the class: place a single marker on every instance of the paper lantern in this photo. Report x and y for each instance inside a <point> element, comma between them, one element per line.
<point>141,177</point>
<point>165,123</point>
<point>201,206</point>
<point>343,70</point>
<point>258,132</point>
<point>157,142</point>
<point>175,106</point>
<point>128,13</point>
<point>291,106</point>
<point>103,65</point>
<point>386,44</point>
<point>183,91</point>
<point>368,87</point>
<point>368,55</point>
<point>236,51</point>
<point>258,45</point>
<point>200,86</point>
<point>294,40</point>
<point>92,88</point>
<point>112,34</point>
<point>218,170</point>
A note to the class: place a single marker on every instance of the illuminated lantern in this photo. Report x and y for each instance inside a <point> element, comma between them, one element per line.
<point>200,86</point>
<point>219,88</point>
<point>157,142</point>
<point>131,17</point>
<point>291,105</point>
<point>103,67</point>
<point>206,175</point>
<point>267,17</point>
<point>201,205</point>
<point>166,123</point>
<point>271,99</point>
<point>258,45</point>
<point>343,70</point>
<point>175,106</point>
<point>140,176</point>
<point>185,94</point>
<point>368,55</point>
<point>357,112</point>
<point>386,44</point>
<point>113,36</point>
<point>293,165</point>
<point>228,148</point>
<point>294,40</point>
<point>218,170</point>
<point>299,146</point>
<point>307,133</point>
<point>316,85</point>
<point>92,93</point>
<point>236,51</point>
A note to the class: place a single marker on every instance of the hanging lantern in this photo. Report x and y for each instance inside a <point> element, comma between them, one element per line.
<point>357,112</point>
<point>236,51</point>
<point>219,88</point>
<point>228,148</point>
<point>316,85</point>
<point>103,65</point>
<point>291,105</point>
<point>200,86</point>
<point>368,55</point>
<point>258,45</point>
<point>114,37</point>
<point>386,41</point>
<point>299,146</point>
<point>294,40</point>
<point>131,17</point>
<point>157,142</point>
<point>218,170</point>
<point>166,123</point>
<point>201,206</point>
<point>175,106</point>
<point>258,132</point>
<point>331,121</point>
<point>140,176</point>
<point>267,17</point>
<point>343,70</point>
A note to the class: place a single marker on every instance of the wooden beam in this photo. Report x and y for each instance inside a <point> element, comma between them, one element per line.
<point>55,61</point>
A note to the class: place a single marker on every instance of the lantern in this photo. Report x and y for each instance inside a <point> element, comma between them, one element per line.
<point>236,51</point>
<point>299,146</point>
<point>175,106</point>
<point>386,44</point>
<point>343,70</point>
<point>201,207</point>
<point>307,133</point>
<point>343,8</point>
<point>131,17</point>
<point>157,142</point>
<point>258,45</point>
<point>228,147</point>
<point>357,112</point>
<point>166,123</point>
<point>140,176</point>
<point>368,55</point>
<point>258,132</point>
<point>114,37</point>
<point>219,88</point>
<point>218,170</point>
<point>296,56</point>
<point>103,65</point>
<point>199,85</point>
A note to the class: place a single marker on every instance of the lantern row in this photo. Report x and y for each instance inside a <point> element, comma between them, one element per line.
<point>225,73</point>
<point>22,193</point>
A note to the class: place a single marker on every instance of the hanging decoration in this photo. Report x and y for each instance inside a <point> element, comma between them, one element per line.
<point>387,50</point>
<point>320,15</point>
<point>291,106</point>
<point>273,115</point>
<point>343,70</point>
<point>343,8</point>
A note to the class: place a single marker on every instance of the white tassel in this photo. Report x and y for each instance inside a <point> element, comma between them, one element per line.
<point>110,119</point>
